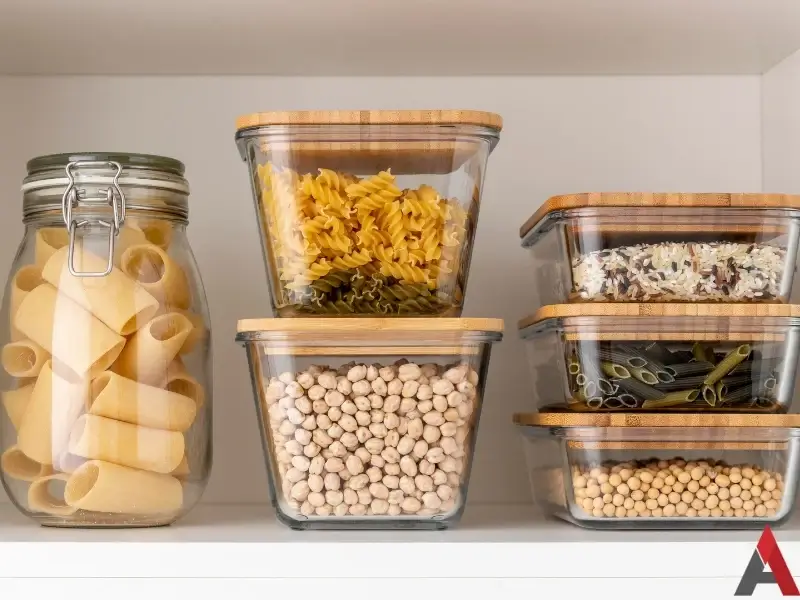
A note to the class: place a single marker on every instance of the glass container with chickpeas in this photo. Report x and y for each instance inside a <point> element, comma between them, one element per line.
<point>369,423</point>
<point>625,471</point>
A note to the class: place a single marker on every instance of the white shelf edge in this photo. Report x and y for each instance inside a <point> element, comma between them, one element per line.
<point>493,541</point>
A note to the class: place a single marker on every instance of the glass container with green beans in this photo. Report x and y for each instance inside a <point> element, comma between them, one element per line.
<point>672,358</point>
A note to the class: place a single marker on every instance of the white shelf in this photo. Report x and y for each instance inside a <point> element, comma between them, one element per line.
<point>236,541</point>
<point>397,37</point>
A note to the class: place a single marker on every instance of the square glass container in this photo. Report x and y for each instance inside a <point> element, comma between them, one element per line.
<point>367,212</point>
<point>626,357</point>
<point>660,471</point>
<point>369,423</point>
<point>637,247</point>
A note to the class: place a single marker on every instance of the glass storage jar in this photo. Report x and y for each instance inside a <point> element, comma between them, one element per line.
<point>678,471</point>
<point>636,247</point>
<point>105,338</point>
<point>628,357</point>
<point>367,212</point>
<point>369,423</point>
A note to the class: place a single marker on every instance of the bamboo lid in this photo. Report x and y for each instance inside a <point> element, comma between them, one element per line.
<point>635,309</point>
<point>371,117</point>
<point>564,419</point>
<point>368,325</point>
<point>658,200</point>
<point>341,331</point>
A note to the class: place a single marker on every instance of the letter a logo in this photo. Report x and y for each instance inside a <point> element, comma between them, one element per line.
<point>767,553</point>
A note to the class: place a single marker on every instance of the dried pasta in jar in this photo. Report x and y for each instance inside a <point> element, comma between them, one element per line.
<point>345,245</point>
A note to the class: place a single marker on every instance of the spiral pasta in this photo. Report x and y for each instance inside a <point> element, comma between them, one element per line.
<point>349,245</point>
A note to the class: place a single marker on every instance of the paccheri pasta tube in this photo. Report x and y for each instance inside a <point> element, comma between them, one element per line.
<point>182,470</point>
<point>41,500</point>
<point>80,341</point>
<point>348,245</point>
<point>56,402</point>
<point>158,274</point>
<point>48,241</point>
<point>24,281</point>
<point>16,401</point>
<point>180,382</point>
<point>198,333</point>
<point>116,397</point>
<point>105,487</point>
<point>115,299</point>
<point>23,358</point>
<point>723,376</point>
<point>158,233</point>
<point>67,463</point>
<point>18,466</point>
<point>150,350</point>
<point>122,443</point>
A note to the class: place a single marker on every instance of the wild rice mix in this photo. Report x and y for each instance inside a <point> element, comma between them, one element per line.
<point>680,271</point>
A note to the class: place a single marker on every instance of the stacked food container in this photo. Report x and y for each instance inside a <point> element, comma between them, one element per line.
<point>670,326</point>
<point>368,384</point>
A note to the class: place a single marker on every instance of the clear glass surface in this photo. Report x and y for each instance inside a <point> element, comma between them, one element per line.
<point>369,437</point>
<point>664,364</point>
<point>106,380</point>
<point>664,477</point>
<point>367,219</point>
<point>665,254</point>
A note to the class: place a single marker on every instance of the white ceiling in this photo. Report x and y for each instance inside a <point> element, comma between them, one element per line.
<point>396,37</point>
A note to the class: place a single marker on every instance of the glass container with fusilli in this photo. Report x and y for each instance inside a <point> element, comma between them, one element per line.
<point>367,212</point>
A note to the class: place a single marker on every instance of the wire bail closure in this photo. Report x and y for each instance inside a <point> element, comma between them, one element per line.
<point>71,200</point>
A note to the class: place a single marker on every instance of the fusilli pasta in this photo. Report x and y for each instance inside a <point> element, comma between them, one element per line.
<point>345,245</point>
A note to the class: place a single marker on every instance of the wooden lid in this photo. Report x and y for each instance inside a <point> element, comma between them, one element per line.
<point>634,309</point>
<point>371,117</point>
<point>658,200</point>
<point>640,419</point>
<point>368,325</point>
<point>359,332</point>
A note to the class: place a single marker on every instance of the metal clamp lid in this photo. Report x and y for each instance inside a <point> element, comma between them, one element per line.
<point>72,198</point>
